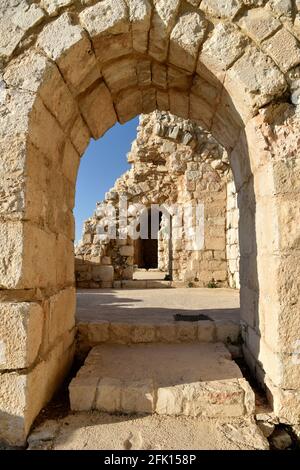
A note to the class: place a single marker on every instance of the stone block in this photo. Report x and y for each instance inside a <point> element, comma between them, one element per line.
<point>59,316</point>
<point>186,332</point>
<point>259,23</point>
<point>206,331</point>
<point>53,7</point>
<point>108,396</point>
<point>185,40</point>
<point>166,333</point>
<point>222,49</point>
<point>284,49</point>
<point>215,243</point>
<point>220,398</point>
<point>98,110</point>
<point>149,100</point>
<point>163,21</point>
<point>169,401</point>
<point>102,273</point>
<point>80,135</point>
<point>121,75</point>
<point>21,326</point>
<point>129,104</point>
<point>179,103</point>
<point>140,19</point>
<point>107,23</point>
<point>221,8</point>
<point>201,111</point>
<point>286,403</point>
<point>121,333</point>
<point>68,45</point>
<point>257,80</point>
<point>82,393</point>
<point>143,333</point>
<point>37,266</point>
<point>31,392</point>
<point>227,331</point>
<point>14,25</point>
<point>137,397</point>
<point>98,332</point>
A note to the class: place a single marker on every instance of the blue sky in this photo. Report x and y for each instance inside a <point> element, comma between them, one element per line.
<point>103,162</point>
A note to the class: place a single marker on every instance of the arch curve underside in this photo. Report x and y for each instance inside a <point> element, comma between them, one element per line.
<point>69,73</point>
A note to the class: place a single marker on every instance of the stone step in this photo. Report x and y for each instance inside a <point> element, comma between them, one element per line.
<point>166,379</point>
<point>142,284</point>
<point>92,333</point>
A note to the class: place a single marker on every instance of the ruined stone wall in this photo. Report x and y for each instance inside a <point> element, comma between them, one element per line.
<point>174,161</point>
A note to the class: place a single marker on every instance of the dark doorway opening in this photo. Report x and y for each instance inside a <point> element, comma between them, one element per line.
<point>146,249</point>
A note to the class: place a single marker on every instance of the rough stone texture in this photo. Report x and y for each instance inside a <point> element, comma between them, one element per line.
<point>166,386</point>
<point>24,320</point>
<point>225,45</point>
<point>221,8</point>
<point>256,83</point>
<point>185,40</point>
<point>232,237</point>
<point>67,44</point>
<point>108,18</point>
<point>173,162</point>
<point>37,197</point>
<point>259,24</point>
<point>140,18</point>
<point>284,49</point>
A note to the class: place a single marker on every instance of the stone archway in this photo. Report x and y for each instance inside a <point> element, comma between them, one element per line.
<point>67,75</point>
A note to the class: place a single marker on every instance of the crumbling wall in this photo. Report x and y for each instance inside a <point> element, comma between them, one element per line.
<point>175,163</point>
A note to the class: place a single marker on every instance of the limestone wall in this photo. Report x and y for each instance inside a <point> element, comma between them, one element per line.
<point>232,237</point>
<point>174,162</point>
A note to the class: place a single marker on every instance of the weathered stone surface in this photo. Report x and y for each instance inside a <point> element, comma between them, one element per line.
<point>17,413</point>
<point>53,7</point>
<point>68,45</point>
<point>120,76</point>
<point>16,21</point>
<point>284,49</point>
<point>259,24</point>
<point>163,21</point>
<point>107,23</point>
<point>137,397</point>
<point>185,40</point>
<point>98,110</point>
<point>27,73</point>
<point>165,386</point>
<point>140,18</point>
<point>128,105</point>
<point>83,393</point>
<point>109,395</point>
<point>21,326</point>
<point>225,45</point>
<point>259,81</point>
<point>221,8</point>
<point>58,321</point>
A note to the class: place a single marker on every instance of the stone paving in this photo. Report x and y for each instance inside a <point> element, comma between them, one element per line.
<point>147,316</point>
